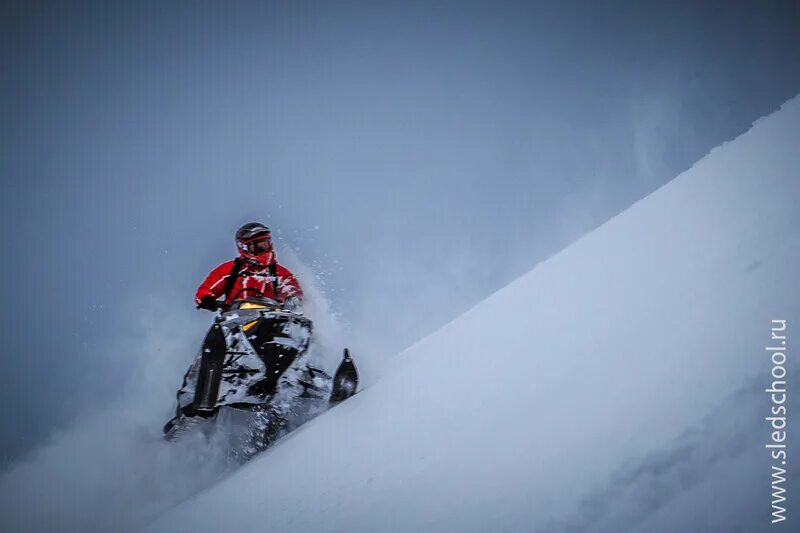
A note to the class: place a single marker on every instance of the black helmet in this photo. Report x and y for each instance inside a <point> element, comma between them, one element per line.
<point>250,231</point>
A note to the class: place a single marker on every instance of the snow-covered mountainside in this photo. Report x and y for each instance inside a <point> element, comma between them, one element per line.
<point>617,386</point>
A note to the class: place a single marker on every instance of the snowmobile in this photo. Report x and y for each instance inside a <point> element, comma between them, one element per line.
<point>251,361</point>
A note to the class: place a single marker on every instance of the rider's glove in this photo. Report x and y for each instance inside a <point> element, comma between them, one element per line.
<point>292,303</point>
<point>208,302</point>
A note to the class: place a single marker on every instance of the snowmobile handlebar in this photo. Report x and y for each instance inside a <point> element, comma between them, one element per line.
<point>258,299</point>
<point>241,301</point>
<point>259,303</point>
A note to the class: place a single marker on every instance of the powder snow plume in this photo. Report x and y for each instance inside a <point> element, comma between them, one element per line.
<point>112,470</point>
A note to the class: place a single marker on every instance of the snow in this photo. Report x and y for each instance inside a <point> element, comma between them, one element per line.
<point>616,386</point>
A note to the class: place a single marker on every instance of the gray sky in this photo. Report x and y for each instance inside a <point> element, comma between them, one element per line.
<point>417,155</point>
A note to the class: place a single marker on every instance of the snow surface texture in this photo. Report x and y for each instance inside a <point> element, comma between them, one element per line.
<point>617,386</point>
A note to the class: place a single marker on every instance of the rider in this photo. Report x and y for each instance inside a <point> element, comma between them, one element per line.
<point>257,273</point>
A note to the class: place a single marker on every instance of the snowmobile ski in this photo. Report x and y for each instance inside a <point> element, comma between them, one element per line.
<point>208,380</point>
<point>345,381</point>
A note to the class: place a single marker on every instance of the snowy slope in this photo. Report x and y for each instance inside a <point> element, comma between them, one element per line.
<point>593,393</point>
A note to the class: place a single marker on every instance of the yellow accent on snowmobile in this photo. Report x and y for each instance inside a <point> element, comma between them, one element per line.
<point>249,325</point>
<point>250,305</point>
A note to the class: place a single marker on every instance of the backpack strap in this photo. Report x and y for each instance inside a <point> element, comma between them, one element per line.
<point>273,272</point>
<point>232,277</point>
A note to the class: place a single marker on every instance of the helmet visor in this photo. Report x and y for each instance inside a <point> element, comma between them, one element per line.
<point>258,245</point>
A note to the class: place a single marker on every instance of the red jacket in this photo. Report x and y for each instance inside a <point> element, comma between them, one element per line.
<point>257,279</point>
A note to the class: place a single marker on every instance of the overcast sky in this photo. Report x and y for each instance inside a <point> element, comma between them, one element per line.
<point>416,156</point>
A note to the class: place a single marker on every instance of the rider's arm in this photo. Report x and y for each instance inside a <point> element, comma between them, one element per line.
<point>288,284</point>
<point>214,284</point>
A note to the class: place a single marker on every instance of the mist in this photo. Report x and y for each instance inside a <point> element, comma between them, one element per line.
<point>411,159</point>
